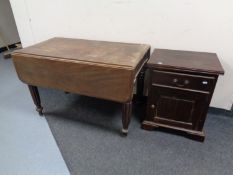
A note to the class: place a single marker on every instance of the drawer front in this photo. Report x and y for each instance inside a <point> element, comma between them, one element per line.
<point>181,80</point>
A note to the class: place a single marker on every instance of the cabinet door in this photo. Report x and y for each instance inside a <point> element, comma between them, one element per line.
<point>175,106</point>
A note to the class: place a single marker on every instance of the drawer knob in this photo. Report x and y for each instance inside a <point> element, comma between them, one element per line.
<point>152,106</point>
<point>186,82</point>
<point>175,80</point>
<point>204,82</point>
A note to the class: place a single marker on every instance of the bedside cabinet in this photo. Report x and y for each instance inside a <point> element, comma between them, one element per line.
<point>181,85</point>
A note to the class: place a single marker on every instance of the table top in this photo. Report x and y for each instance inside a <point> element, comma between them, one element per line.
<point>186,60</point>
<point>102,52</point>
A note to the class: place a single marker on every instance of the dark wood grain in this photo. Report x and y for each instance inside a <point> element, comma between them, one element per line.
<point>186,60</point>
<point>179,96</point>
<point>188,81</point>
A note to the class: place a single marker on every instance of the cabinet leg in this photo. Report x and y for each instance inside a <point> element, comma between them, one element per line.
<point>36,98</point>
<point>147,127</point>
<point>200,136</point>
<point>126,116</point>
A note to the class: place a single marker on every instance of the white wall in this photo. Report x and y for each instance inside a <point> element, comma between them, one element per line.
<point>199,25</point>
<point>8,30</point>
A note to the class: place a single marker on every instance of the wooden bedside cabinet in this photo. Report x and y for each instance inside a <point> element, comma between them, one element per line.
<point>181,85</point>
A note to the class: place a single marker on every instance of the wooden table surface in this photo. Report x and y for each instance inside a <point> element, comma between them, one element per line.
<point>186,60</point>
<point>102,52</point>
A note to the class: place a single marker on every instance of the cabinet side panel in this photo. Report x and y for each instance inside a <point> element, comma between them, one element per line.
<point>111,83</point>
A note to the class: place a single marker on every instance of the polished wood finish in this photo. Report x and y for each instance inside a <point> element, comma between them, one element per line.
<point>179,96</point>
<point>126,116</point>
<point>200,62</point>
<point>95,52</point>
<point>106,70</point>
<point>99,52</point>
<point>36,98</point>
<point>195,82</point>
<point>93,80</point>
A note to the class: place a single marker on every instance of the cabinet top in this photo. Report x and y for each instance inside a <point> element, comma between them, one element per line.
<point>186,60</point>
<point>100,52</point>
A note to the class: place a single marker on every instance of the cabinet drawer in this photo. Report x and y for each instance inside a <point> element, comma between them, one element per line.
<point>181,80</point>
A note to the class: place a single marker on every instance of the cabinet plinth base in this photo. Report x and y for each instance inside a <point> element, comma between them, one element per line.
<point>192,134</point>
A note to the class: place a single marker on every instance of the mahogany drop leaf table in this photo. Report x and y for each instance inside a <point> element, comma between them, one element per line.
<point>106,70</point>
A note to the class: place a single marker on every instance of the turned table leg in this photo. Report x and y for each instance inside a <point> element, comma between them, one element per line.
<point>126,116</point>
<point>36,98</point>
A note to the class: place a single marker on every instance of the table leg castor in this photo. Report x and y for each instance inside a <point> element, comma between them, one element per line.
<point>36,98</point>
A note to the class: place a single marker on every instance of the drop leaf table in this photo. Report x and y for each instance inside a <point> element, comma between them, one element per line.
<point>101,69</point>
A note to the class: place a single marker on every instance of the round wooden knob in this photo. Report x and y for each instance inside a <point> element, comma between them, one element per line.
<point>175,80</point>
<point>186,82</point>
<point>152,106</point>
